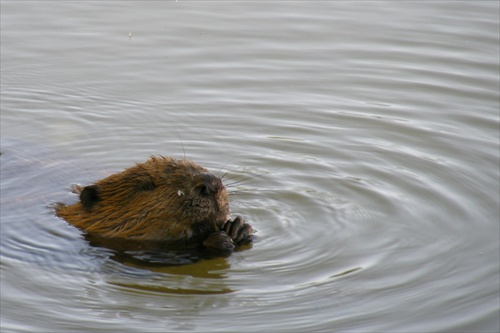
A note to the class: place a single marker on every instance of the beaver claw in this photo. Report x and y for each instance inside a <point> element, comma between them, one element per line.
<point>219,241</point>
<point>232,233</point>
<point>238,230</point>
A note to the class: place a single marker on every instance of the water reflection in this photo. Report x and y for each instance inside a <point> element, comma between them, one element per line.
<point>171,272</point>
<point>160,268</point>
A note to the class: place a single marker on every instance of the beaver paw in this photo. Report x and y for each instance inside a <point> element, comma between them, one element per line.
<point>219,241</point>
<point>232,233</point>
<point>239,231</point>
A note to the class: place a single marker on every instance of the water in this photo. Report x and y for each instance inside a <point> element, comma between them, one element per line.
<point>372,128</point>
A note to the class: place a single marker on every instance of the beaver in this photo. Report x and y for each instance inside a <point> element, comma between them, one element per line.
<point>163,200</point>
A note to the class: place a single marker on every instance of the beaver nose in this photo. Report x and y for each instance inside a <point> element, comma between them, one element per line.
<point>207,184</point>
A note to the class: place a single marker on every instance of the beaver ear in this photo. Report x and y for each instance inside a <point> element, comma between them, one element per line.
<point>90,195</point>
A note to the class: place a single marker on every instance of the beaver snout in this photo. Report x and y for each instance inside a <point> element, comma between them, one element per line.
<point>208,184</point>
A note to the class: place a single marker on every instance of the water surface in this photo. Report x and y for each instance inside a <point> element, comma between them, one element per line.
<point>368,133</point>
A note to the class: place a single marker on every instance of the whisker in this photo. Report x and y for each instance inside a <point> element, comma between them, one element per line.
<point>246,179</point>
<point>243,203</point>
<point>245,192</point>
<point>249,178</point>
<point>224,175</point>
<point>180,139</point>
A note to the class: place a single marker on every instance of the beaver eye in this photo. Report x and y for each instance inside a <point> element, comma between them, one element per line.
<point>148,186</point>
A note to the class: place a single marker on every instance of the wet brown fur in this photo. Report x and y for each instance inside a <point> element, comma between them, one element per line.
<point>162,199</point>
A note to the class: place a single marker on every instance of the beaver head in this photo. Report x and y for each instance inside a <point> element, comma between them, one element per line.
<point>162,199</point>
